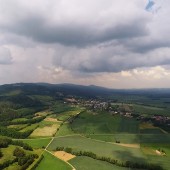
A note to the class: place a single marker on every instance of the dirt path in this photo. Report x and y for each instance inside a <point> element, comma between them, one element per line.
<point>128,145</point>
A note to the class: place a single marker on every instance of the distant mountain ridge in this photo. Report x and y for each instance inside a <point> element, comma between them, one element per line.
<point>73,89</point>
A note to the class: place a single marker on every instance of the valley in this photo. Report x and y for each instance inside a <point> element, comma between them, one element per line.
<point>56,128</point>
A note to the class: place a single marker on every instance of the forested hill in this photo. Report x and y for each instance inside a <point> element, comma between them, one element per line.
<point>75,90</point>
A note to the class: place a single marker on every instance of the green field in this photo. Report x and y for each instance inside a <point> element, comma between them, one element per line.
<point>37,143</point>
<point>7,153</point>
<point>142,109</point>
<point>152,131</point>
<point>65,129</point>
<point>155,138</point>
<point>86,163</point>
<point>79,143</point>
<point>104,123</point>
<point>52,163</point>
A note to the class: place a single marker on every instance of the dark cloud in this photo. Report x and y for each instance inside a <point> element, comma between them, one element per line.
<point>108,59</point>
<point>73,34</point>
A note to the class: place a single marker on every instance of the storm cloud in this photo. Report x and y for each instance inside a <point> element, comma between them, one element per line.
<point>82,37</point>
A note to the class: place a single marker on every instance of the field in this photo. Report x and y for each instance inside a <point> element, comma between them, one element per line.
<point>86,163</point>
<point>52,163</point>
<point>79,143</point>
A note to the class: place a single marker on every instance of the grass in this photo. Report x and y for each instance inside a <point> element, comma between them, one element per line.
<point>18,127</point>
<point>65,129</point>
<point>104,123</point>
<point>52,163</point>
<point>148,128</point>
<point>150,151</point>
<point>151,131</point>
<point>79,143</point>
<point>160,160</point>
<point>7,153</point>
<point>123,138</point>
<point>14,166</point>
<point>150,110</point>
<point>37,143</point>
<point>86,163</point>
<point>155,138</point>
<point>19,119</point>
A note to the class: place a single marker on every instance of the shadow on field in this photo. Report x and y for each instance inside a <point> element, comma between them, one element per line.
<point>128,156</point>
<point>155,138</point>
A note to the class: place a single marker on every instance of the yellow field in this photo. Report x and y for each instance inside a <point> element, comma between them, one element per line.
<point>45,131</point>
<point>64,155</point>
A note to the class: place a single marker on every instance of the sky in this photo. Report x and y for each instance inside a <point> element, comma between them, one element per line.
<point>110,43</point>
